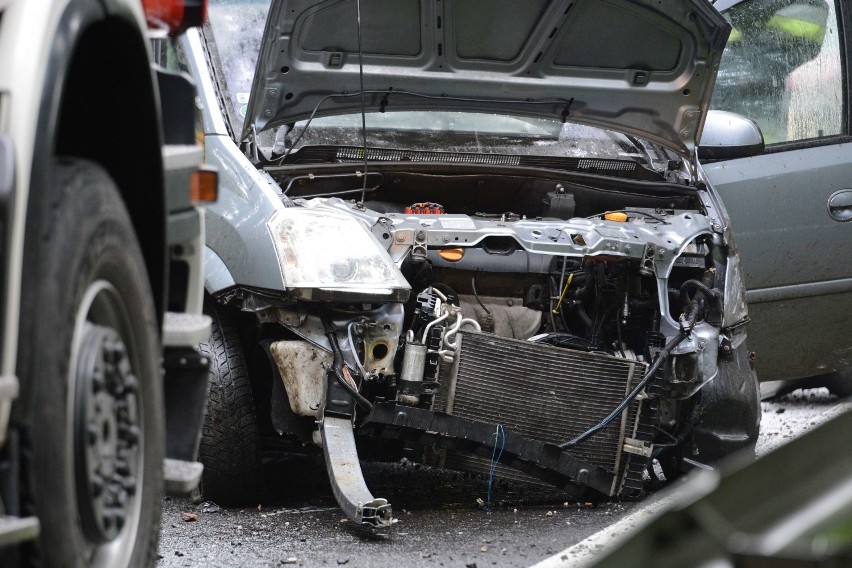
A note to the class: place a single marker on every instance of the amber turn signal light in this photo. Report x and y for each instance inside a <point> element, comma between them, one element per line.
<point>204,185</point>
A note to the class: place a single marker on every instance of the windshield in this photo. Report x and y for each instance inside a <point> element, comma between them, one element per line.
<point>237,28</point>
<point>484,133</point>
<point>235,32</point>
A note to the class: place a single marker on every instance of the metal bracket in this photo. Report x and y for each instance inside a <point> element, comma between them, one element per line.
<point>341,460</point>
<point>638,447</point>
<point>347,481</point>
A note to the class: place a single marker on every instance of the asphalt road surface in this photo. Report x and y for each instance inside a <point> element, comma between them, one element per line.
<point>440,521</point>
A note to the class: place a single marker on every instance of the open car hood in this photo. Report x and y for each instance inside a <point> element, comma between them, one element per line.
<point>640,67</point>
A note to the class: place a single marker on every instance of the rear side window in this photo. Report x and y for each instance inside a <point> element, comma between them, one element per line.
<point>782,68</point>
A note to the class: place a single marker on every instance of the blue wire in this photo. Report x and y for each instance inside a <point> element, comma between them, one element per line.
<point>502,434</point>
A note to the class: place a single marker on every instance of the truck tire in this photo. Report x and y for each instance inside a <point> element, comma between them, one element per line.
<point>230,441</point>
<point>95,442</point>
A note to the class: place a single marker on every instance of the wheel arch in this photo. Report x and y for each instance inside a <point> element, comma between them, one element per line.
<point>99,102</point>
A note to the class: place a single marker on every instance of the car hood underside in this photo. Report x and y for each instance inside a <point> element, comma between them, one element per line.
<point>639,67</point>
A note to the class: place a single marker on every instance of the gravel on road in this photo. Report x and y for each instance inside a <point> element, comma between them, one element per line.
<point>440,521</point>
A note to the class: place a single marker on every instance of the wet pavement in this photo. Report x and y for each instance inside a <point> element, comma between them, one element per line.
<point>440,521</point>
<point>783,419</point>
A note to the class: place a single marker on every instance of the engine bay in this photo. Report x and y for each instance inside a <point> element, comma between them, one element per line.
<point>581,315</point>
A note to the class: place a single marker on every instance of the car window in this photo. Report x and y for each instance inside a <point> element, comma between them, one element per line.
<point>782,68</point>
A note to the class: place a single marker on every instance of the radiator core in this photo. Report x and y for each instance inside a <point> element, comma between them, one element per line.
<point>546,393</point>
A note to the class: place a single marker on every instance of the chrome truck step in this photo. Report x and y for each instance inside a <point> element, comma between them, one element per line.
<point>185,330</point>
<point>181,476</point>
<point>17,529</point>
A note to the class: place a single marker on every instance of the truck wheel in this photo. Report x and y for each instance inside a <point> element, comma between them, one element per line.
<point>230,441</point>
<point>96,438</point>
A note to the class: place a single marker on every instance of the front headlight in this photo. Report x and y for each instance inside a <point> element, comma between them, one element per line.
<point>331,251</point>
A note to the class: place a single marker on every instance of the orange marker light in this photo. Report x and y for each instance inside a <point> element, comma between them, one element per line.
<point>204,185</point>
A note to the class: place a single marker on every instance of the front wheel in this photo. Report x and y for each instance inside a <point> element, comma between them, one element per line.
<point>230,439</point>
<point>96,436</point>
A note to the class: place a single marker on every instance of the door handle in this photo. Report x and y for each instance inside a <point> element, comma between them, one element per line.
<point>840,205</point>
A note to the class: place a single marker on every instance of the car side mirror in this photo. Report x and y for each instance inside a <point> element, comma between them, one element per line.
<point>728,135</point>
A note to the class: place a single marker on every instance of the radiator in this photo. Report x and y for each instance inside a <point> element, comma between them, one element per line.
<point>546,393</point>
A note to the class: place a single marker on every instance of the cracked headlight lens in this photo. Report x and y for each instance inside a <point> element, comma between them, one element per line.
<point>324,249</point>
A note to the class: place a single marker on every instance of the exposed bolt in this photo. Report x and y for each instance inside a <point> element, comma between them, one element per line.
<point>92,433</point>
<point>98,382</point>
<point>97,485</point>
<point>400,237</point>
<point>130,433</point>
<point>131,383</point>
<point>121,500</point>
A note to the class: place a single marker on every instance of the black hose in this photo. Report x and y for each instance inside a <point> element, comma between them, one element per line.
<point>633,394</point>
<point>701,286</point>
<point>337,369</point>
<point>584,317</point>
<point>476,295</point>
<point>588,287</point>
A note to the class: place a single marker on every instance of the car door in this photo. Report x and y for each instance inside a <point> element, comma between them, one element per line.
<point>787,66</point>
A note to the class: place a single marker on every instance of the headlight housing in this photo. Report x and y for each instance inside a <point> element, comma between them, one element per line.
<point>332,252</point>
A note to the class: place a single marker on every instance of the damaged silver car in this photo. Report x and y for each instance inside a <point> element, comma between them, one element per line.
<point>475,234</point>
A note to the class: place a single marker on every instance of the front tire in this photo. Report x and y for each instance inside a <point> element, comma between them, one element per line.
<point>91,355</point>
<point>230,439</point>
